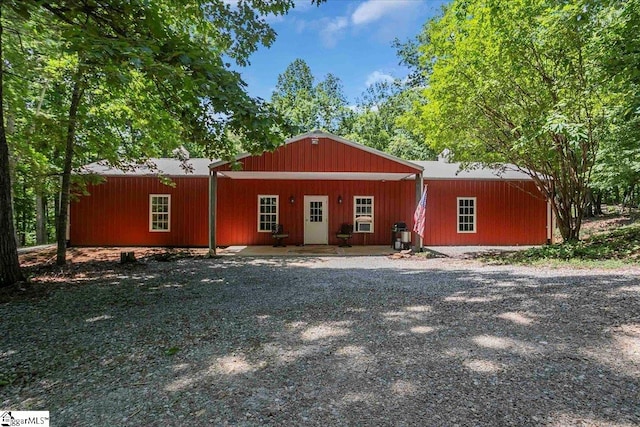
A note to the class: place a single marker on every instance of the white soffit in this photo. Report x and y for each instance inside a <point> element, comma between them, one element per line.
<point>324,176</point>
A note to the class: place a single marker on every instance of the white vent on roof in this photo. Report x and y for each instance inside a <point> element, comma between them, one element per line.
<point>444,156</point>
<point>181,153</point>
<point>314,140</point>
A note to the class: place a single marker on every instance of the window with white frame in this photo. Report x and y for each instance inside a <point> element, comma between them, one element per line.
<point>267,213</point>
<point>159,212</point>
<point>363,214</point>
<point>466,214</point>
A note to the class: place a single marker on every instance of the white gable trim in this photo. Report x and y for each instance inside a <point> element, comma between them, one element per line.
<point>321,134</point>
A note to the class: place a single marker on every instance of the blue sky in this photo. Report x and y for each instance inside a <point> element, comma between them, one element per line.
<point>348,38</point>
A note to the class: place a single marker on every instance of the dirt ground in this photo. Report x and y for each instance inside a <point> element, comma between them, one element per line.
<point>321,341</point>
<point>75,256</point>
<point>607,222</point>
<point>177,338</point>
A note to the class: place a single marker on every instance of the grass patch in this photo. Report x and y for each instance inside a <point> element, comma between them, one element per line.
<point>615,248</point>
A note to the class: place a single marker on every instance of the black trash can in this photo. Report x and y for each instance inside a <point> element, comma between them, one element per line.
<point>396,235</point>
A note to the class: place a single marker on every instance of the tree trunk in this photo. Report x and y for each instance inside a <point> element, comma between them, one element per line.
<point>41,205</point>
<point>41,220</point>
<point>568,216</point>
<point>65,189</point>
<point>598,203</point>
<point>589,210</point>
<point>9,265</point>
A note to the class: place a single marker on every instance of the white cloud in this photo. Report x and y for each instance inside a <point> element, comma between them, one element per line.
<point>303,5</point>
<point>373,10</point>
<point>272,19</point>
<point>330,30</point>
<point>378,76</point>
<point>390,19</point>
<point>333,30</point>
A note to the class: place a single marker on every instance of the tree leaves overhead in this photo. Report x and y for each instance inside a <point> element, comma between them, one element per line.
<point>294,98</point>
<point>129,79</point>
<point>179,46</point>
<point>521,82</point>
<point>373,121</point>
<point>377,121</point>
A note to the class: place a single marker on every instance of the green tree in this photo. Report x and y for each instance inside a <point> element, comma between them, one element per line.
<point>306,106</point>
<point>10,272</point>
<point>617,45</point>
<point>293,97</point>
<point>517,82</point>
<point>331,103</point>
<point>376,121</point>
<point>176,50</point>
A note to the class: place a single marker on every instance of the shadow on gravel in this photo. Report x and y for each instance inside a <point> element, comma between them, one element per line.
<point>316,342</point>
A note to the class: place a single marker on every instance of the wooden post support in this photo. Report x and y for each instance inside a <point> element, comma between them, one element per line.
<point>417,240</point>
<point>213,196</point>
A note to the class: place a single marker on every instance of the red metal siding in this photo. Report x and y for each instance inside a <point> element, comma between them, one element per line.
<point>326,156</point>
<point>117,213</point>
<point>238,208</point>
<point>508,213</point>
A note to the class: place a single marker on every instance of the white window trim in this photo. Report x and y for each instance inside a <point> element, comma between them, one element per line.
<point>373,214</point>
<point>277,211</point>
<point>151,229</point>
<point>475,215</point>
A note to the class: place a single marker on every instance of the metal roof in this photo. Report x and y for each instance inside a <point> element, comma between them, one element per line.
<point>322,134</point>
<point>153,167</point>
<point>444,170</point>
<point>200,167</point>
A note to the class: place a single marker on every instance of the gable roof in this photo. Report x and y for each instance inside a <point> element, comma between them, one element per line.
<point>198,167</point>
<point>154,167</point>
<point>444,170</point>
<point>315,137</point>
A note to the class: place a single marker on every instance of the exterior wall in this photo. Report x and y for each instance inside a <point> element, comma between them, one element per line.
<point>508,213</point>
<point>237,222</point>
<point>117,213</point>
<point>326,156</point>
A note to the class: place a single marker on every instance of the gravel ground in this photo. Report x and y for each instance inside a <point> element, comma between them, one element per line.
<point>327,341</point>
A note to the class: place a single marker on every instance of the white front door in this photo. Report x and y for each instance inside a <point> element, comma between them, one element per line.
<point>316,221</point>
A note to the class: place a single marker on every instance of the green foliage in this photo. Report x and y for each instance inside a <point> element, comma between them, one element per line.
<point>617,44</point>
<point>622,244</point>
<point>123,81</point>
<point>306,106</point>
<point>172,351</point>
<point>373,121</point>
<point>376,121</point>
<point>518,82</point>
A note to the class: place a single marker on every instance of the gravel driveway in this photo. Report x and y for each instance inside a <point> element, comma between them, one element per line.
<point>328,341</point>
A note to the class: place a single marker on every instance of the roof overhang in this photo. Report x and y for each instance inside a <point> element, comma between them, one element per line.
<point>319,176</point>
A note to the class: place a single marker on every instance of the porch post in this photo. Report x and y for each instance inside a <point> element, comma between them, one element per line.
<point>417,240</point>
<point>213,196</point>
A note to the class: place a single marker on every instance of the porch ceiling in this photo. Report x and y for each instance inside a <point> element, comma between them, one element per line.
<point>336,176</point>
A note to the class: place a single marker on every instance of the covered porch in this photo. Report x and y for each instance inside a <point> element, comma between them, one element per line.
<point>311,206</point>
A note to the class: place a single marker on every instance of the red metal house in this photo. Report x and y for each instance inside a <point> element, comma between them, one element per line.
<point>311,185</point>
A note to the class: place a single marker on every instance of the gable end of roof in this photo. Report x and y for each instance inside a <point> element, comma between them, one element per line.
<point>321,134</point>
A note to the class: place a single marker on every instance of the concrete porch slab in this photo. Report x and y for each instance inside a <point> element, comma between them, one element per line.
<point>306,250</point>
<point>329,250</point>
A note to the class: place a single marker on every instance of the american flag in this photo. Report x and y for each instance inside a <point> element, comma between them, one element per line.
<point>419,216</point>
